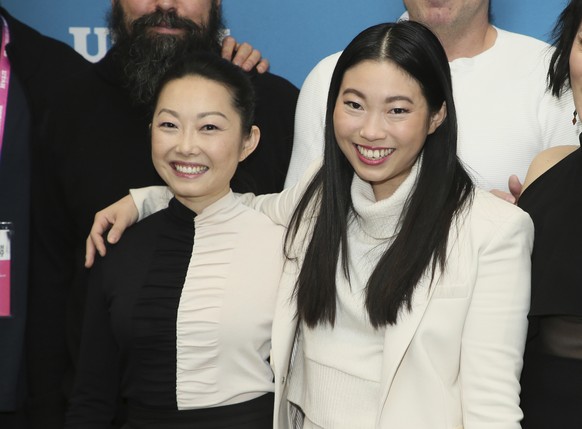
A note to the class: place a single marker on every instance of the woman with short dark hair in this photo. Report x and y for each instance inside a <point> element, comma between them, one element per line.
<point>178,319</point>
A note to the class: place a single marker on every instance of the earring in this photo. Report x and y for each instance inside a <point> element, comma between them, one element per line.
<point>574,120</point>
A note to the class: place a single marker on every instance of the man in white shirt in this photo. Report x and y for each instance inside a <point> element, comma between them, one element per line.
<point>505,115</point>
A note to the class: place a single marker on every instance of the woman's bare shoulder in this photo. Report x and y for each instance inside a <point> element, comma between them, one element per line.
<point>546,160</point>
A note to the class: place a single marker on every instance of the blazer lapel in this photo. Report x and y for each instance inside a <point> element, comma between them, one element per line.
<point>398,337</point>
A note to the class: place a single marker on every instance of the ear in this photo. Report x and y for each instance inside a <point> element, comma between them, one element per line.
<point>250,143</point>
<point>437,119</point>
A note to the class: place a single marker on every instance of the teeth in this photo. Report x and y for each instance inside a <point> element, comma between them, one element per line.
<point>374,154</point>
<point>190,169</point>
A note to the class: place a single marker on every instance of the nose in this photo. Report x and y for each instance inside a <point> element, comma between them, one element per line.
<point>373,127</point>
<point>166,4</point>
<point>188,146</point>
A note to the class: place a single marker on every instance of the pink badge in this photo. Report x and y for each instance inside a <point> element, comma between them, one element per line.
<point>5,308</point>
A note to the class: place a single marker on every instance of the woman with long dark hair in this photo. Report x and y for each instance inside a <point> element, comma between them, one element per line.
<point>404,298</point>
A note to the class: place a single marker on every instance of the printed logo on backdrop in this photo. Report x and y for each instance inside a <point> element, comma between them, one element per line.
<point>92,43</point>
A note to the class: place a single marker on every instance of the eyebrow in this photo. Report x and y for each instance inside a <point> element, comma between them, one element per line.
<point>205,114</point>
<point>390,99</point>
<point>199,116</point>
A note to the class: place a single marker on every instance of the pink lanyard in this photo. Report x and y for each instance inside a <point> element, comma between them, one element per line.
<point>4,79</point>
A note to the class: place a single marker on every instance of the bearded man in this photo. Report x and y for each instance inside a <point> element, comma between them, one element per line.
<point>96,148</point>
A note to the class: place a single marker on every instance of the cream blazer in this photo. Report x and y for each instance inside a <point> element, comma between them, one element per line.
<point>455,359</point>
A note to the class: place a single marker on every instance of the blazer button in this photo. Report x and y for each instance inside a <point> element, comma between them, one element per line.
<point>283,379</point>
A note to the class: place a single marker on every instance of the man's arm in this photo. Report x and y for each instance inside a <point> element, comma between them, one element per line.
<point>309,135</point>
<point>146,201</point>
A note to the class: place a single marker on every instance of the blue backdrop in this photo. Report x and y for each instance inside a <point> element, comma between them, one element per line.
<point>293,34</point>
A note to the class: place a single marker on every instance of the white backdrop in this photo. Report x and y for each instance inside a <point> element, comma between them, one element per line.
<point>293,34</point>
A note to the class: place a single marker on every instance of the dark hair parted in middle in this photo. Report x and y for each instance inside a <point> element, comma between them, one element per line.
<point>215,68</point>
<point>563,35</point>
<point>442,189</point>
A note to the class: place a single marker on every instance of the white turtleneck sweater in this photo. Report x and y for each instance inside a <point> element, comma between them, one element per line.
<point>331,362</point>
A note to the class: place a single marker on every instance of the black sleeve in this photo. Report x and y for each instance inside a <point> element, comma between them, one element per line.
<point>52,253</point>
<point>96,392</point>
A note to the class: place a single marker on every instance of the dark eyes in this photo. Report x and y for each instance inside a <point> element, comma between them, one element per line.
<point>353,105</point>
<point>167,125</point>
<point>206,127</point>
<point>395,111</point>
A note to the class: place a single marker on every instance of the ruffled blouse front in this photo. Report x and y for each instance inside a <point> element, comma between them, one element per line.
<point>188,300</point>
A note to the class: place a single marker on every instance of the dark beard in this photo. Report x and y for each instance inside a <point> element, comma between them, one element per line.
<point>146,56</point>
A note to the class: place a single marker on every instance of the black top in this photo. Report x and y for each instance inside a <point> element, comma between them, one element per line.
<point>179,315</point>
<point>554,202</point>
<point>131,318</point>
<point>98,149</point>
<point>551,382</point>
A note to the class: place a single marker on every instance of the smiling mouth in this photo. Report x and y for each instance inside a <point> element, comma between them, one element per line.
<point>374,154</point>
<point>190,169</point>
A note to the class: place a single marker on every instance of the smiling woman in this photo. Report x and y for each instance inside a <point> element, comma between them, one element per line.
<point>408,282</point>
<point>179,314</point>
<point>198,140</point>
<point>382,120</point>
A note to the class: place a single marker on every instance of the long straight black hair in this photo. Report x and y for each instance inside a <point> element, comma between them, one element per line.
<point>442,189</point>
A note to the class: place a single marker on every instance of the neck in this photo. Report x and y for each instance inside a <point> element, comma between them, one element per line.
<point>199,204</point>
<point>463,43</point>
